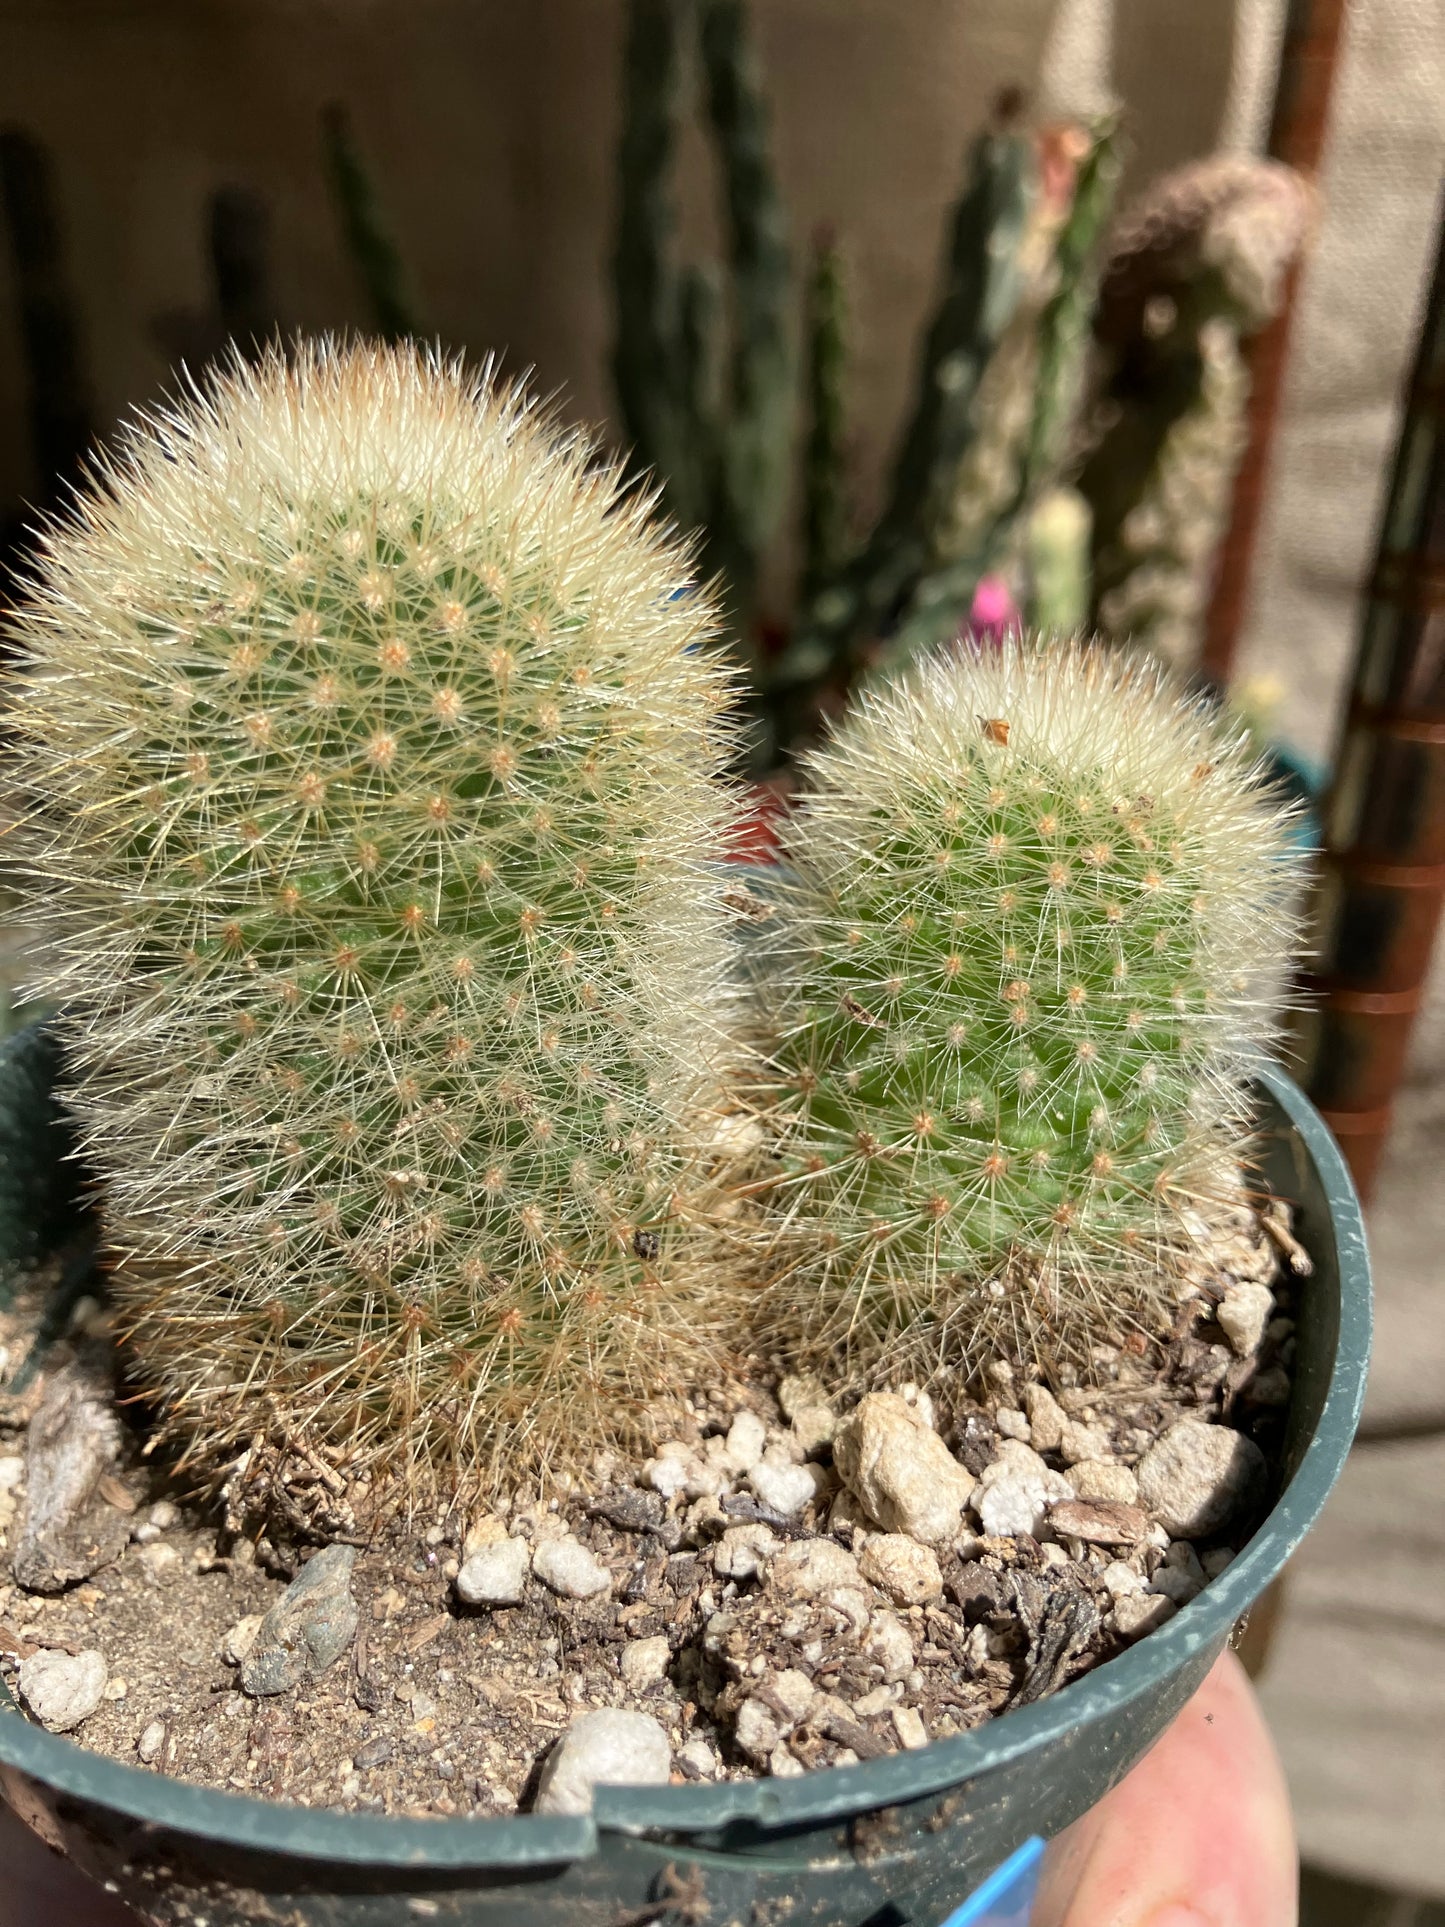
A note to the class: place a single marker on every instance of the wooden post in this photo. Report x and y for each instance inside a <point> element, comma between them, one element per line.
<point>1308,59</point>
<point>1382,882</point>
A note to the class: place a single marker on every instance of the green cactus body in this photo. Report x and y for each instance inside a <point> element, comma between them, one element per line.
<point>1031,904</point>
<point>371,760</point>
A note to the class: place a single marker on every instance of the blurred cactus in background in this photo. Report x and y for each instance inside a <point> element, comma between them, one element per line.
<point>1032,911</point>
<point>242,316</point>
<point>1196,267</point>
<point>374,253</point>
<point>709,408</point>
<point>368,768</point>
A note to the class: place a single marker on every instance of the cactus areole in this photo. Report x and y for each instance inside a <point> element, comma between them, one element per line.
<point>1034,905</point>
<point>369,768</point>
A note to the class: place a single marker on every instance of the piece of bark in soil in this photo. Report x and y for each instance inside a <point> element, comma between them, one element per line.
<point>67,1532</point>
<point>1061,1624</point>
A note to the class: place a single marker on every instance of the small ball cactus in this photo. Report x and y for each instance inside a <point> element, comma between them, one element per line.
<point>369,758</point>
<point>1026,933</point>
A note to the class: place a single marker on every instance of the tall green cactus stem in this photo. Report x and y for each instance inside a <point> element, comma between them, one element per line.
<point>369,753</point>
<point>757,426</point>
<point>982,285</point>
<point>373,251</point>
<point>58,387</point>
<point>825,502</point>
<point>1026,408</point>
<point>1031,909</point>
<point>1193,270</point>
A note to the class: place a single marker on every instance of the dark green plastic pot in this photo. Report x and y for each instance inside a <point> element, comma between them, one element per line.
<point>890,1843</point>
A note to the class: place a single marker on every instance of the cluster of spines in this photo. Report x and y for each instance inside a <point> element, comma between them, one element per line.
<point>1028,903</point>
<point>369,818</point>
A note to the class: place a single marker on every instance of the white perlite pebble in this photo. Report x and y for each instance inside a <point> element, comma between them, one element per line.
<point>157,1560</point>
<point>743,1551</point>
<point>747,1440</point>
<point>1198,1477</point>
<point>757,1729</point>
<point>163,1515</point>
<point>668,1472</point>
<point>1015,1492</point>
<point>609,1748</point>
<point>1180,1577</point>
<point>782,1486</point>
<point>495,1574</point>
<point>700,1757</point>
<point>908,1572</point>
<point>1244,1313</point>
<point>1013,1425</point>
<point>890,1646</point>
<point>902,1474</point>
<point>62,1689</point>
<point>570,1569</point>
<point>813,1567</point>
<point>1122,1581</point>
<point>1104,1479</point>
<point>12,1471</point>
<point>645,1661</point>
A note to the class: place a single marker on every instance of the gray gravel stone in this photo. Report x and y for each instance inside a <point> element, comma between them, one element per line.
<point>496,1574</point>
<point>645,1661</point>
<point>609,1748</point>
<point>311,1625</point>
<point>62,1689</point>
<point>1199,1477</point>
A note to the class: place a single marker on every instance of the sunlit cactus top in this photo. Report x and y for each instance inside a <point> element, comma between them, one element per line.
<point>1033,905</point>
<point>371,750</point>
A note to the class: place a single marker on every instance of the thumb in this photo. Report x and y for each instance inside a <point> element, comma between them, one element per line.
<point>1199,1834</point>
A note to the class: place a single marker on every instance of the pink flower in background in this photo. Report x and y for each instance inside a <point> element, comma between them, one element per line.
<point>994,613</point>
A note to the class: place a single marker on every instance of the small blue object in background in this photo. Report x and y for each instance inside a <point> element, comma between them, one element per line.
<point>1006,1898</point>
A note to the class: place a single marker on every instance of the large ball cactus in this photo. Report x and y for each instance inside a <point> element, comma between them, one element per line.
<point>369,755</point>
<point>1026,933</point>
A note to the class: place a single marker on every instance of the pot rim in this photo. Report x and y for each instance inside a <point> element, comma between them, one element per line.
<point>823,1795</point>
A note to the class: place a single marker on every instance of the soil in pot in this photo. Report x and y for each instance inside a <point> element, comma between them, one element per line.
<point>794,1583</point>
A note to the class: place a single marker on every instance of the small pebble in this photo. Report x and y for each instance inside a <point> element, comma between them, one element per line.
<point>908,1572</point>
<point>813,1567</point>
<point>782,1486</point>
<point>1079,1442</point>
<point>614,1747</point>
<point>495,1574</point>
<point>757,1729</point>
<point>1244,1313</point>
<point>700,1757</point>
<point>568,1568</point>
<point>908,1725</point>
<point>1139,1613</point>
<point>152,1739</point>
<point>902,1474</point>
<point>1100,1522</point>
<point>12,1471</point>
<point>890,1646</point>
<point>645,1661</point>
<point>1219,1560</point>
<point>1012,1424</point>
<point>157,1560</point>
<point>1104,1479</point>
<point>746,1441</point>
<point>488,1530</point>
<point>1015,1491</point>
<point>116,1689</point>
<point>374,1753</point>
<point>311,1625</point>
<point>1199,1477</point>
<point>744,1550</point>
<point>793,1690</point>
<point>880,1700</point>
<point>1046,1418</point>
<point>1122,1581</point>
<point>241,1638</point>
<point>163,1515</point>
<point>62,1689</point>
